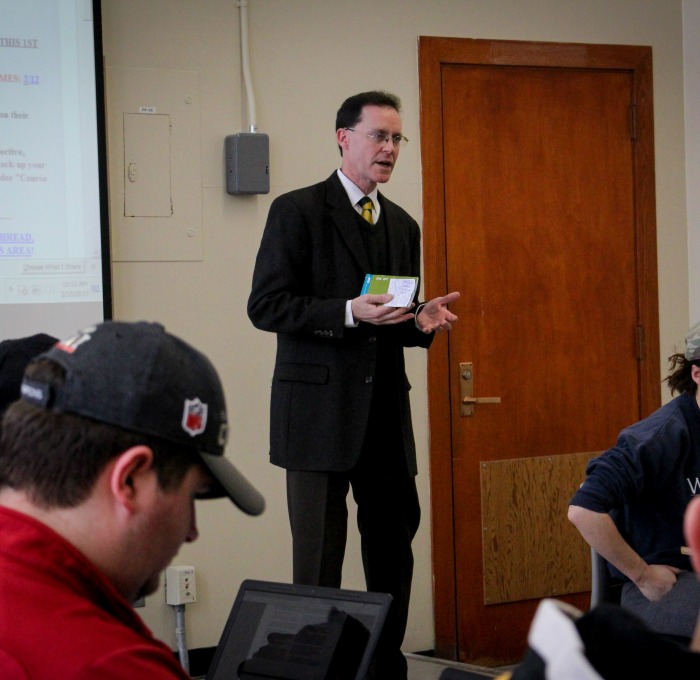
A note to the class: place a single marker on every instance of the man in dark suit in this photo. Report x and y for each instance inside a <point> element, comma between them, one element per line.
<point>340,414</point>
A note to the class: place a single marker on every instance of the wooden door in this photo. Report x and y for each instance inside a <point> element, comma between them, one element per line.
<point>539,208</point>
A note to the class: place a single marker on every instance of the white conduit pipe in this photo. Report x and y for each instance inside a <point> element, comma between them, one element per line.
<point>181,637</point>
<point>245,64</point>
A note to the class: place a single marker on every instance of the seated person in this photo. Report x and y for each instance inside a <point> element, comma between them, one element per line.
<point>647,480</point>
<point>117,431</point>
<point>14,357</point>
<point>608,642</point>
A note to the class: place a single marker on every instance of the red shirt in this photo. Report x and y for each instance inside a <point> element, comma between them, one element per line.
<point>61,619</point>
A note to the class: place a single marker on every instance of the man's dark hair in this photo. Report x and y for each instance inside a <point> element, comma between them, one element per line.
<point>680,380</point>
<point>350,111</point>
<point>56,458</point>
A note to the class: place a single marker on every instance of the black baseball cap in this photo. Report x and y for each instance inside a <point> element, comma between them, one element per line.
<point>141,378</point>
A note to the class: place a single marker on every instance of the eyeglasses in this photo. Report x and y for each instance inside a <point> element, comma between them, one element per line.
<point>382,137</point>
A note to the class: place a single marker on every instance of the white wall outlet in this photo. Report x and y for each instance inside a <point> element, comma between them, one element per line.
<point>179,585</point>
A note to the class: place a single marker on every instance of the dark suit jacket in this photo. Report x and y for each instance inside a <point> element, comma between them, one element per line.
<point>311,261</point>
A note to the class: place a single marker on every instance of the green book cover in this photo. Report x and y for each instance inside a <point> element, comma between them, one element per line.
<point>403,288</point>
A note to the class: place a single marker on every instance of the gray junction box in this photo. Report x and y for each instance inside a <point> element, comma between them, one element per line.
<point>248,163</point>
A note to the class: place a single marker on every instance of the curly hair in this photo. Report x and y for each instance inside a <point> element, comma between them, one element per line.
<point>680,379</point>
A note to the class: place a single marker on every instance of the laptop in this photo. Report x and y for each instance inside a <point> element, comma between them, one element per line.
<point>281,631</point>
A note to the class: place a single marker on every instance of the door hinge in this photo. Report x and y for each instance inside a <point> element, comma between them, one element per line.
<point>633,122</point>
<point>640,342</point>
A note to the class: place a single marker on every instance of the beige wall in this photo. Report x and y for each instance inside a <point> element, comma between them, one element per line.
<point>306,56</point>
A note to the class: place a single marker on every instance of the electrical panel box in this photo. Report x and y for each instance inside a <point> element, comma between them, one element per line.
<point>155,165</point>
<point>248,163</point>
<point>148,166</point>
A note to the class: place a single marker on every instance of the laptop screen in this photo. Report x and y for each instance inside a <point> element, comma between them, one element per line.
<point>292,632</point>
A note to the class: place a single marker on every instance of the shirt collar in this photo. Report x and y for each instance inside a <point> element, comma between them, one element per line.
<point>355,194</point>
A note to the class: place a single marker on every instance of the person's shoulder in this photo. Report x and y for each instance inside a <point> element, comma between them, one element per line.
<point>309,192</point>
<point>667,418</point>
<point>306,200</point>
<point>688,406</point>
<point>395,212</point>
<point>23,349</point>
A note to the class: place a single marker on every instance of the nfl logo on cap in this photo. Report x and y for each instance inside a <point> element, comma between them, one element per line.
<point>194,417</point>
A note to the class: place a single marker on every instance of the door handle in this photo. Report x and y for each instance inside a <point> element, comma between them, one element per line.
<point>466,389</point>
<point>481,400</point>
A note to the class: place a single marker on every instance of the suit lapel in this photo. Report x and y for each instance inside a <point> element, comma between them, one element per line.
<point>345,221</point>
<point>397,244</point>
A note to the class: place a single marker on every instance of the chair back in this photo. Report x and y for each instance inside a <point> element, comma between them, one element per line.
<point>604,586</point>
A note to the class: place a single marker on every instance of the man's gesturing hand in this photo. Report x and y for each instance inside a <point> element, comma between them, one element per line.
<point>434,315</point>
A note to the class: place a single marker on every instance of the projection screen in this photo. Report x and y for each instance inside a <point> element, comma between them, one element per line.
<point>54,236</point>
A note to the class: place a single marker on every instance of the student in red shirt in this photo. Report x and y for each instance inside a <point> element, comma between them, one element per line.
<point>117,432</point>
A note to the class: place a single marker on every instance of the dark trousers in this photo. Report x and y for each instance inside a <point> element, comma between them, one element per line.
<point>388,515</point>
<point>676,613</point>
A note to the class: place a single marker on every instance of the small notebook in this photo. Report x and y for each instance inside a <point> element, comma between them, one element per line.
<point>280,631</point>
<point>403,288</point>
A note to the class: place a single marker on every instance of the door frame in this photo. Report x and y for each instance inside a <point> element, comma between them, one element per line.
<point>433,53</point>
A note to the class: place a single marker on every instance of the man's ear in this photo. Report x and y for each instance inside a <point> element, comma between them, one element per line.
<point>695,374</point>
<point>129,470</point>
<point>341,135</point>
<point>691,525</point>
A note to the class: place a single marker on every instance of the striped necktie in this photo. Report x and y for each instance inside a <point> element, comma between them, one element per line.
<point>366,205</point>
